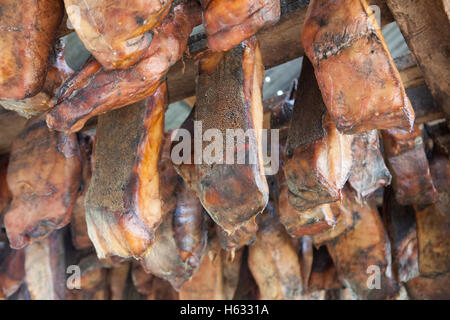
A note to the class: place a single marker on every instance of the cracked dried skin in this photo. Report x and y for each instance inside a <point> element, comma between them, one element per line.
<point>408,164</point>
<point>58,71</point>
<point>217,277</point>
<point>360,84</point>
<point>12,271</point>
<point>318,156</point>
<point>78,226</point>
<point>116,31</point>
<point>180,241</point>
<point>94,90</point>
<point>123,203</point>
<point>228,23</point>
<point>364,245</point>
<point>244,235</point>
<point>279,276</point>
<point>27,31</point>
<point>45,269</point>
<point>229,97</point>
<point>369,172</point>
<point>44,176</point>
<point>433,224</point>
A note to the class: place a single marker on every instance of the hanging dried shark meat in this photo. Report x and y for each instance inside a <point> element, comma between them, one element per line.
<point>217,277</point>
<point>409,167</point>
<point>5,194</point>
<point>114,31</point>
<point>180,241</point>
<point>44,177</point>
<point>117,280</point>
<point>274,262</point>
<point>123,203</point>
<point>27,32</point>
<point>245,235</point>
<point>433,224</point>
<point>12,272</point>
<point>362,252</point>
<point>94,90</point>
<point>369,171</point>
<point>318,157</point>
<point>78,226</point>
<point>58,72</point>
<point>360,84</point>
<point>162,290</point>
<point>45,269</point>
<point>401,226</point>
<point>228,23</point>
<point>142,280</point>
<point>229,98</point>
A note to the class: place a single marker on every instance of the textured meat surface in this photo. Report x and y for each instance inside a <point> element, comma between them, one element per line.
<point>318,157</point>
<point>78,226</point>
<point>27,31</point>
<point>45,268</point>
<point>217,277</point>
<point>274,262</point>
<point>180,241</point>
<point>360,84</point>
<point>94,90</point>
<point>229,22</point>
<point>242,236</point>
<point>123,203</point>
<point>229,98</point>
<point>361,248</point>
<point>408,164</point>
<point>369,172</point>
<point>115,31</point>
<point>58,71</point>
<point>433,224</point>
<point>117,279</point>
<point>44,176</point>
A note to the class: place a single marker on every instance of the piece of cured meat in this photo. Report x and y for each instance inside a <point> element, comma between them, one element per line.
<point>123,202</point>
<point>116,31</point>
<point>360,84</point>
<point>229,22</point>
<point>44,174</point>
<point>94,90</point>
<point>27,31</point>
<point>408,164</point>
<point>230,178</point>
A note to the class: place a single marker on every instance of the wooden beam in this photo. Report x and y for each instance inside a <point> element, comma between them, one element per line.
<point>426,28</point>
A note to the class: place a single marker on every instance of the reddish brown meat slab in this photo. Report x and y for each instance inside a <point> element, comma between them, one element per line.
<point>229,97</point>
<point>44,176</point>
<point>433,224</point>
<point>58,71</point>
<point>229,22</point>
<point>117,280</point>
<point>318,157</point>
<point>123,202</point>
<point>408,164</point>
<point>369,172</point>
<point>27,31</point>
<point>94,90</point>
<point>217,277</point>
<point>360,84</point>
<point>115,31</point>
<point>274,262</point>
<point>362,252</point>
<point>180,241</point>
